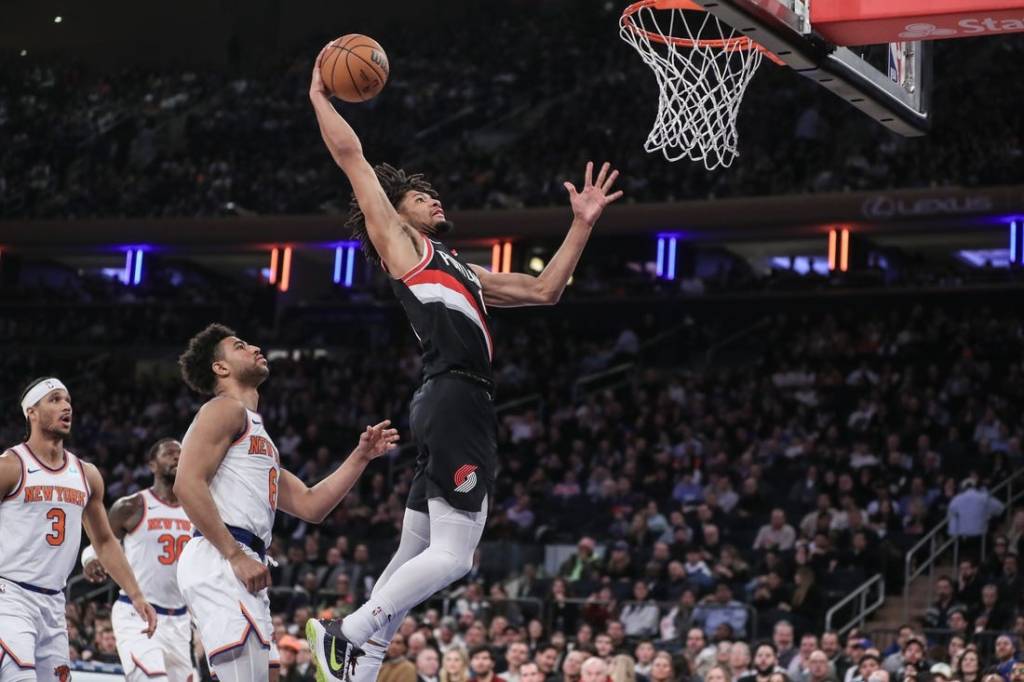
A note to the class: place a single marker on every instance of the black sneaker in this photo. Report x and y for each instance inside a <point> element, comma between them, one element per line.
<point>335,657</point>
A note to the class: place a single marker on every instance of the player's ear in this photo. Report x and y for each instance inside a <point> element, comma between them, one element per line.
<point>220,369</point>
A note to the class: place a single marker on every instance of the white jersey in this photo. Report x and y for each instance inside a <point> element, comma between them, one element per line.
<point>245,485</point>
<point>153,548</point>
<point>41,521</point>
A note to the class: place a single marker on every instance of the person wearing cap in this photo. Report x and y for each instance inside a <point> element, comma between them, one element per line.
<point>855,650</point>
<point>49,495</point>
<point>941,672</point>
<point>288,649</point>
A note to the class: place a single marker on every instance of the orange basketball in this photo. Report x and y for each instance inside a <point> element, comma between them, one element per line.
<point>355,68</point>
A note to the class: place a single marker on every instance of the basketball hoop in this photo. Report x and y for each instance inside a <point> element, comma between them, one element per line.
<point>703,67</point>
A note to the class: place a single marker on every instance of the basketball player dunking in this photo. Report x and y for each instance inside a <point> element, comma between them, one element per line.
<point>154,529</point>
<point>47,495</point>
<point>399,219</point>
<point>230,482</point>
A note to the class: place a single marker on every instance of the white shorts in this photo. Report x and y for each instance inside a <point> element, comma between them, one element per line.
<point>168,652</point>
<point>33,633</point>
<point>226,614</point>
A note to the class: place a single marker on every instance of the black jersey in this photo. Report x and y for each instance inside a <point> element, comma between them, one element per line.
<point>444,301</point>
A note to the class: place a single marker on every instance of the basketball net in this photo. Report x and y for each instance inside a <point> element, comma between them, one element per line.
<point>703,68</point>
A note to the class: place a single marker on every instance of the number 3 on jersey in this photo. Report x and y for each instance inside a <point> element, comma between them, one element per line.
<point>55,537</point>
<point>272,484</point>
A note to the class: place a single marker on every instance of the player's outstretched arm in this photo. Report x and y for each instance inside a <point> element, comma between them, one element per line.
<point>314,504</point>
<point>108,548</point>
<point>124,515</point>
<point>217,424</point>
<point>516,289</point>
<point>385,228</point>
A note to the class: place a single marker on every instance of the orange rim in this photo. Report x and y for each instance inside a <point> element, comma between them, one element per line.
<point>743,43</point>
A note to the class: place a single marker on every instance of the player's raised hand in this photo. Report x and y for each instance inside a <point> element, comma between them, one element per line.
<point>316,84</point>
<point>143,608</point>
<point>252,573</point>
<point>589,203</point>
<point>376,440</point>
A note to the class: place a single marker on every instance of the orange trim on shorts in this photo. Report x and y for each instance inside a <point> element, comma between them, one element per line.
<point>250,627</point>
<point>138,664</point>
<point>5,649</point>
<point>248,428</point>
<point>21,483</point>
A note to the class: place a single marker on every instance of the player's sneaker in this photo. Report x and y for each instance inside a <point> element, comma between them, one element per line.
<point>335,657</point>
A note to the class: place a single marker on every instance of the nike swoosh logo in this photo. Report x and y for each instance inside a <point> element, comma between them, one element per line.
<point>335,665</point>
<point>256,422</point>
<point>32,471</point>
<point>153,507</point>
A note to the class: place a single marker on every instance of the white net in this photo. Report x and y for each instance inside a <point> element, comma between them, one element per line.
<point>703,68</point>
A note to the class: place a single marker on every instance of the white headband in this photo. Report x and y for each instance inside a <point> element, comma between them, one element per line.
<point>37,392</point>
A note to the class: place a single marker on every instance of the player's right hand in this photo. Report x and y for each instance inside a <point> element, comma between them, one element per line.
<point>252,573</point>
<point>316,84</point>
<point>94,572</point>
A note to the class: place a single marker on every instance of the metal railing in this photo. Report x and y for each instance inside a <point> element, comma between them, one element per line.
<point>864,607</point>
<point>938,541</point>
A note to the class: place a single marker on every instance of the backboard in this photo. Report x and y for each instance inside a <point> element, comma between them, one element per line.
<point>891,84</point>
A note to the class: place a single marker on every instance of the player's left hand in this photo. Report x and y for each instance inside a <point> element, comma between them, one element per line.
<point>589,203</point>
<point>376,440</point>
<point>143,608</point>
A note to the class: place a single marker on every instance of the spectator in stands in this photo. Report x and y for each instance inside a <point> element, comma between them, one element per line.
<point>530,672</point>
<point>481,663</point>
<point>868,665</point>
<point>663,669</point>
<point>818,669</point>
<point>696,647</point>
<point>455,667</point>
<point>739,661</point>
<point>915,665</point>
<point>640,617</point>
<point>1006,656</point>
<point>776,534</point>
<point>428,664</point>
<point>719,608</point>
<point>572,665</point>
<point>971,511</point>
<point>546,659</point>
<point>396,667</point>
<point>969,582</point>
<point>581,566</point>
<point>799,667</point>
<point>106,646</point>
<point>643,656</point>
<point>516,654</point>
<point>594,669</point>
<point>990,614</point>
<point>938,613</point>
<point>782,637</point>
<point>288,647</point>
<point>718,673</point>
<point>766,662</point>
<point>621,669</point>
<point>1011,583</point>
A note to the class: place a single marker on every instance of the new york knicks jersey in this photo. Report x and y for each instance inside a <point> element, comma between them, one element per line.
<point>444,301</point>
<point>153,548</point>
<point>245,485</point>
<point>41,521</point>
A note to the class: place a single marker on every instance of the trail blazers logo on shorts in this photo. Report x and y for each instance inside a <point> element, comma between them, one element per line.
<point>465,478</point>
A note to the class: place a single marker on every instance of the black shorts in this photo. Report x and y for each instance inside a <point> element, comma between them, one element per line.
<point>455,430</point>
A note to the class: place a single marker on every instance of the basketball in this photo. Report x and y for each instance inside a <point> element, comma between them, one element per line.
<point>355,68</point>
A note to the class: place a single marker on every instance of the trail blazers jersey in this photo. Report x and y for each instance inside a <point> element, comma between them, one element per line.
<point>41,521</point>
<point>444,301</point>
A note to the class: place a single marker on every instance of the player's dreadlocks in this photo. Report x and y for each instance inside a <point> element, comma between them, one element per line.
<point>396,184</point>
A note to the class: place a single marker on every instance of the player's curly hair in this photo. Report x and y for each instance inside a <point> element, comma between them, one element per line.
<point>396,183</point>
<point>202,351</point>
